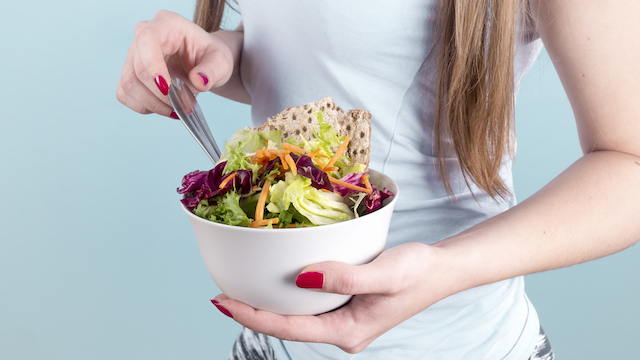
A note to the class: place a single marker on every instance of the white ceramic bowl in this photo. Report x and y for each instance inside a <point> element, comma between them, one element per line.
<point>259,266</point>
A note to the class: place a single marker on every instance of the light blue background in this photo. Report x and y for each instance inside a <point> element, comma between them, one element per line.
<point>98,262</point>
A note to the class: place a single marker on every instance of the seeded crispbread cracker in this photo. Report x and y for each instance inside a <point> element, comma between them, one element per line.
<point>298,121</point>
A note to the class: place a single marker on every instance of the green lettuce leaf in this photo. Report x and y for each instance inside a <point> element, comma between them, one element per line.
<point>226,210</point>
<point>328,139</point>
<point>252,141</point>
<point>237,160</point>
<point>288,217</point>
<point>355,168</point>
<point>326,135</point>
<point>319,207</point>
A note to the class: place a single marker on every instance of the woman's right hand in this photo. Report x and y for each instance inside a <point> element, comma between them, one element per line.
<point>171,45</point>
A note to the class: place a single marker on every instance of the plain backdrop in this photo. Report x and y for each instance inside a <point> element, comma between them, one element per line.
<point>97,260</point>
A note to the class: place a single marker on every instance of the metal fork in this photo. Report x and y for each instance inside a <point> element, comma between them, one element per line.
<point>185,105</point>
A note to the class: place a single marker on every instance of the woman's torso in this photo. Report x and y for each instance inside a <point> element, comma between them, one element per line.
<point>379,56</point>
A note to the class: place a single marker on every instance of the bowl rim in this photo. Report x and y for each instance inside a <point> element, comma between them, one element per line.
<point>191,215</point>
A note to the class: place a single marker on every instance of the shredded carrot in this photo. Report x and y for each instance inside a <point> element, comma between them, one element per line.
<point>259,156</point>
<point>291,163</point>
<point>347,185</point>
<point>263,222</point>
<point>329,191</point>
<point>338,153</point>
<point>227,179</point>
<point>367,184</point>
<point>262,200</point>
<point>295,149</point>
<point>317,153</point>
<point>313,158</point>
<point>285,164</point>
<point>264,155</point>
<point>331,168</point>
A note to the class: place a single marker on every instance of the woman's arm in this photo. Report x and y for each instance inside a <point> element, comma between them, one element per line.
<point>170,45</point>
<point>589,211</point>
<point>593,208</point>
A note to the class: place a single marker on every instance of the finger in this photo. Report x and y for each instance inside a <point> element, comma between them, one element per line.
<point>391,272</point>
<point>139,26</point>
<point>136,106</point>
<point>154,41</point>
<point>134,89</point>
<point>291,327</point>
<point>214,66</point>
<point>339,327</point>
<point>132,93</point>
<point>206,58</point>
<point>341,278</point>
<point>130,102</point>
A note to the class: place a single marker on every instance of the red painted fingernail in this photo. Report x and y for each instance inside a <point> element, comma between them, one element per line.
<point>173,115</point>
<point>161,83</point>
<point>310,280</point>
<point>204,77</point>
<point>222,309</point>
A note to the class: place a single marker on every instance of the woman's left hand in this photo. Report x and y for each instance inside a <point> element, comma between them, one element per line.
<point>398,284</point>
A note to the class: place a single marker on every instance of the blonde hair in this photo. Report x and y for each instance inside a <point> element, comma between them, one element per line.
<point>208,14</point>
<point>475,89</point>
<point>475,93</point>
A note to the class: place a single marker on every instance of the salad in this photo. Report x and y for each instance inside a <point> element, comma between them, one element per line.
<point>261,181</point>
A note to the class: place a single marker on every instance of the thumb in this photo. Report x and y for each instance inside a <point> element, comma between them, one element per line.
<point>213,67</point>
<point>341,278</point>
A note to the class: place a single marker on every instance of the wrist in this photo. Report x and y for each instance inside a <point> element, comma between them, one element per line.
<point>458,264</point>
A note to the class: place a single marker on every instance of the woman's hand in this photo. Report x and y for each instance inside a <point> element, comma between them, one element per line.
<point>398,284</point>
<point>170,45</point>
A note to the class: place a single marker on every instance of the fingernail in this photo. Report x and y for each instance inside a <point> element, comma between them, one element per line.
<point>222,309</point>
<point>162,85</point>
<point>173,115</point>
<point>310,280</point>
<point>204,77</point>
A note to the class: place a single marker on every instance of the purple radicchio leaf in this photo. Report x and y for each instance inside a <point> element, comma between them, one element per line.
<point>243,182</point>
<point>353,179</point>
<point>216,176</point>
<point>192,181</point>
<point>194,188</point>
<point>267,168</point>
<point>306,168</point>
<point>189,202</point>
<point>374,201</point>
<point>201,185</point>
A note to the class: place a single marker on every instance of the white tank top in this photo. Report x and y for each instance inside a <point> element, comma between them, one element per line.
<point>378,55</point>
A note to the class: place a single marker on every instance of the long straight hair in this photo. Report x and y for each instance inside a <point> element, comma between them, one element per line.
<point>475,86</point>
<point>475,92</point>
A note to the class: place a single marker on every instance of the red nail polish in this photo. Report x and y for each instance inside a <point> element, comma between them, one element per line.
<point>161,83</point>
<point>310,280</point>
<point>173,115</point>
<point>222,309</point>
<point>204,77</point>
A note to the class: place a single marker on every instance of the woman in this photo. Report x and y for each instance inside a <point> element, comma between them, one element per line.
<point>440,80</point>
